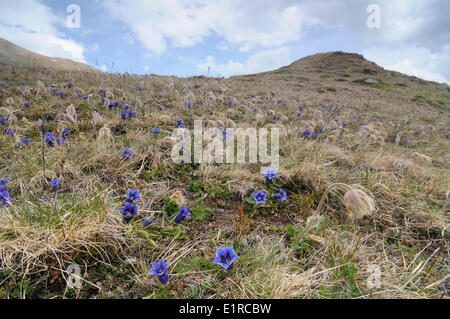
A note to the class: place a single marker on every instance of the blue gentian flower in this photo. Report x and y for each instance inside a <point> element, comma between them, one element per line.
<point>65,133</point>
<point>188,104</point>
<point>260,197</point>
<point>59,141</point>
<point>49,139</point>
<point>131,114</point>
<point>180,125</point>
<point>5,199</point>
<point>133,196</point>
<point>159,269</point>
<point>147,221</point>
<point>299,113</point>
<point>306,133</point>
<point>225,257</point>
<point>129,210</point>
<point>281,196</point>
<point>26,104</point>
<point>8,131</point>
<point>127,153</point>
<point>3,184</point>
<point>275,117</point>
<point>156,131</point>
<point>182,214</point>
<point>123,115</point>
<point>161,107</point>
<point>270,173</point>
<point>2,121</point>
<point>54,184</point>
<point>126,107</point>
<point>110,105</point>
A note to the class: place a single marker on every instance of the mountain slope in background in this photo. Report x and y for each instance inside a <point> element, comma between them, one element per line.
<point>11,54</point>
<point>349,76</point>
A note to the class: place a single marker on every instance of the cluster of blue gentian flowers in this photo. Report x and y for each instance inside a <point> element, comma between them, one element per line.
<point>261,198</point>
<point>8,131</point>
<point>130,209</point>
<point>179,123</point>
<point>225,257</point>
<point>50,139</point>
<point>127,113</point>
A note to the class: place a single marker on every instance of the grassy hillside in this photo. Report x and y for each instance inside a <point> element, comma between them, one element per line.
<point>366,191</point>
<point>13,55</point>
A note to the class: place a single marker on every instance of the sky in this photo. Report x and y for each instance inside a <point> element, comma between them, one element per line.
<point>230,37</point>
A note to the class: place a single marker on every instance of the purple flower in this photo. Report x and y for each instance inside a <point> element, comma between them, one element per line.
<point>65,133</point>
<point>131,114</point>
<point>156,131</point>
<point>5,199</point>
<point>159,269</point>
<point>182,214</point>
<point>270,173</point>
<point>127,153</point>
<point>54,184</point>
<point>3,184</point>
<point>260,197</point>
<point>49,139</point>
<point>26,104</point>
<point>306,133</point>
<point>146,222</point>
<point>8,131</point>
<point>225,257</point>
<point>123,115</point>
<point>179,123</point>
<point>129,210</point>
<point>133,196</point>
<point>281,196</point>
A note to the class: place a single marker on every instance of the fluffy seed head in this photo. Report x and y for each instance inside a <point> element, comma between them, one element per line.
<point>358,203</point>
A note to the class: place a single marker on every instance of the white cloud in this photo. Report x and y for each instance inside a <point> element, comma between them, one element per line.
<point>407,67</point>
<point>33,26</point>
<point>185,23</point>
<point>103,68</point>
<point>420,62</point>
<point>259,62</point>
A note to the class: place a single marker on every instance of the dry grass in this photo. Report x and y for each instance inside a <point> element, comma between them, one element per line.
<point>405,235</point>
